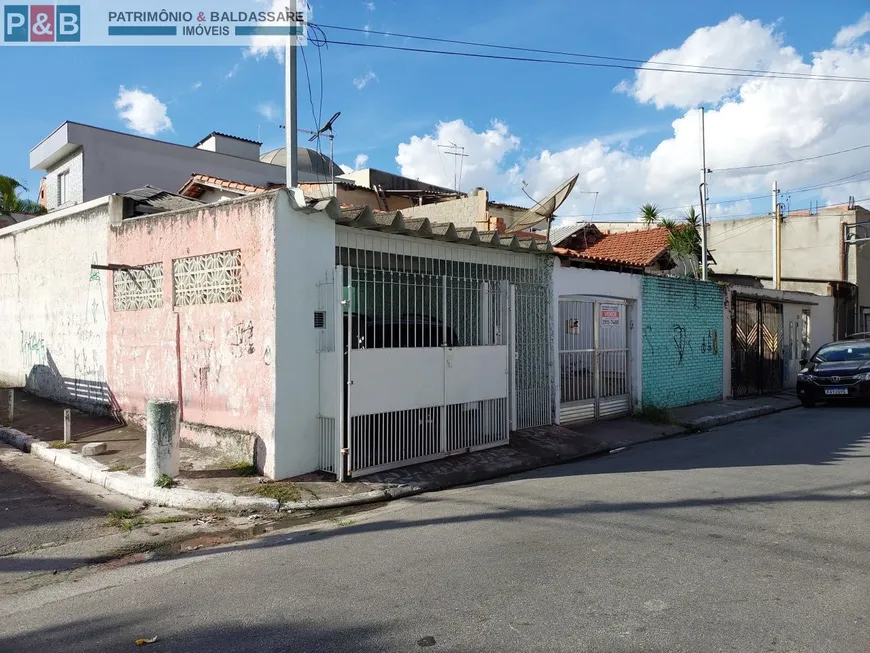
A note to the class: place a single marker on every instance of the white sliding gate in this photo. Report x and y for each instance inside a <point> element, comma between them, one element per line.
<point>429,363</point>
<point>594,361</point>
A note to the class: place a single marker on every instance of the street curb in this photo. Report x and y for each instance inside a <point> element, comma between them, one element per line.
<point>139,488</point>
<point>736,416</point>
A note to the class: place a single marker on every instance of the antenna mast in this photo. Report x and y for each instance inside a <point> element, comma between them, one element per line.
<point>459,156</point>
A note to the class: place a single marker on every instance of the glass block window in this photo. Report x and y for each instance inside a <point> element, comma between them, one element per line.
<point>138,290</point>
<point>210,279</point>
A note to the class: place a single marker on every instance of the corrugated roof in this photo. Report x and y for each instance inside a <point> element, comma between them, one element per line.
<point>157,198</point>
<point>560,234</point>
<point>633,247</point>
<point>238,138</point>
<point>362,217</point>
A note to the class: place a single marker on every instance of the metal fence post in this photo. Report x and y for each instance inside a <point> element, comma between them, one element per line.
<point>11,405</point>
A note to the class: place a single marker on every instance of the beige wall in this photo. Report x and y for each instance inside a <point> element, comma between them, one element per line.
<point>464,212</point>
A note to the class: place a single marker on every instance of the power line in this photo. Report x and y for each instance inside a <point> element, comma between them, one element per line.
<point>588,64</point>
<point>785,163</point>
<point>645,64</point>
<point>841,181</point>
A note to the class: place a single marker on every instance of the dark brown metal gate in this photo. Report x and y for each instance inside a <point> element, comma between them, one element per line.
<point>756,341</point>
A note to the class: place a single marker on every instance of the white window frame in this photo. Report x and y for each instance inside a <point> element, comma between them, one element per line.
<point>63,188</point>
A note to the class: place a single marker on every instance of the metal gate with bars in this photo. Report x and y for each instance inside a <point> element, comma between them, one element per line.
<point>425,357</point>
<point>594,375</point>
<point>756,347</point>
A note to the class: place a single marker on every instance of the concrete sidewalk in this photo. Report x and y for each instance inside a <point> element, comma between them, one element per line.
<point>207,482</point>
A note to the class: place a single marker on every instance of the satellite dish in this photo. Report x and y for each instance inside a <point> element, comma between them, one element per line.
<point>544,209</point>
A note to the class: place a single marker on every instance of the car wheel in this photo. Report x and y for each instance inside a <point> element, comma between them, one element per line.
<point>808,403</point>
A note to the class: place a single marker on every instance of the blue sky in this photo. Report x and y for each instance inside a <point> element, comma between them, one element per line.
<point>557,109</point>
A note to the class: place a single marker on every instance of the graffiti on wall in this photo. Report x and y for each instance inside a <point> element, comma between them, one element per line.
<point>88,365</point>
<point>33,347</point>
<point>681,342</point>
<point>241,339</point>
<point>710,342</point>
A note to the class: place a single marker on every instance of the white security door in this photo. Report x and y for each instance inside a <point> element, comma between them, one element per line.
<point>594,367</point>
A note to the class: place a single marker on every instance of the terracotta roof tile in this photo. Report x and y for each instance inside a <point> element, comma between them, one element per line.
<point>189,189</point>
<point>640,248</point>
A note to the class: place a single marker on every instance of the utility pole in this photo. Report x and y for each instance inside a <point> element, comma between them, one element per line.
<point>290,110</point>
<point>704,197</point>
<point>777,281</point>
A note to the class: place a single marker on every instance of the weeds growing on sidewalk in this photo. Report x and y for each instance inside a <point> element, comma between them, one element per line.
<point>59,445</point>
<point>282,492</point>
<point>118,467</point>
<point>126,520</point>
<point>244,469</point>
<point>654,414</point>
<point>165,481</point>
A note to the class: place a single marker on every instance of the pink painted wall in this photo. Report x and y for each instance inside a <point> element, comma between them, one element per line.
<point>217,358</point>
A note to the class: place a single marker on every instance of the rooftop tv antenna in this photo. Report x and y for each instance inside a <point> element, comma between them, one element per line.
<point>459,156</point>
<point>545,208</point>
<point>330,134</point>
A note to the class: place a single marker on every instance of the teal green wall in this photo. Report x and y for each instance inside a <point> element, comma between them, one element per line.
<point>682,341</point>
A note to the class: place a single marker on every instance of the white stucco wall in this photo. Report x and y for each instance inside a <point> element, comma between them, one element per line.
<point>53,307</point>
<point>604,285</point>
<point>304,257</point>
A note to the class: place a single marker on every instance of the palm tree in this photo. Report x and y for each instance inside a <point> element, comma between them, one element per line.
<point>649,214</point>
<point>684,240</point>
<point>11,202</point>
<point>692,217</point>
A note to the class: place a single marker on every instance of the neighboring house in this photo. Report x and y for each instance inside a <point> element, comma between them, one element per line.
<point>478,211</point>
<point>645,250</point>
<point>82,163</point>
<point>814,253</point>
<point>244,311</point>
<point>210,188</point>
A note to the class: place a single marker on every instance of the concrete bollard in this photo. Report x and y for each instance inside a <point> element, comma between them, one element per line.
<point>162,439</point>
<point>67,426</point>
<point>11,404</point>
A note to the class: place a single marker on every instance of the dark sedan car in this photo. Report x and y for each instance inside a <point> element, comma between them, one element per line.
<point>838,370</point>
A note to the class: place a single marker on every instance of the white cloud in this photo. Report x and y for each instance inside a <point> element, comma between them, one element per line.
<point>851,33</point>
<point>269,110</point>
<point>196,86</point>
<point>734,43</point>
<point>370,6</point>
<point>362,82</point>
<point>270,46</point>
<point>422,158</point>
<point>757,121</point>
<point>233,71</point>
<point>142,112</point>
<point>360,161</point>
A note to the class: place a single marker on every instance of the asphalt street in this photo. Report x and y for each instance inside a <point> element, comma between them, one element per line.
<point>752,537</point>
<point>42,506</point>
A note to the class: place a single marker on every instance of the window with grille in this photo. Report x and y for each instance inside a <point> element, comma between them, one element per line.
<point>210,279</point>
<point>138,290</point>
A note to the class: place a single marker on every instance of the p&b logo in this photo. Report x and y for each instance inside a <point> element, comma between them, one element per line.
<point>42,23</point>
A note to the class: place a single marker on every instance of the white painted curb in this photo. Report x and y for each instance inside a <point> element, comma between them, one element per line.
<point>139,488</point>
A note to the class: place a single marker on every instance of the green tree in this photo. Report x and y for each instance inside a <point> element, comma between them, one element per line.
<point>12,202</point>
<point>649,214</point>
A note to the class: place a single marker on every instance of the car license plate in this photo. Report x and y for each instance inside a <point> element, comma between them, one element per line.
<point>836,391</point>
